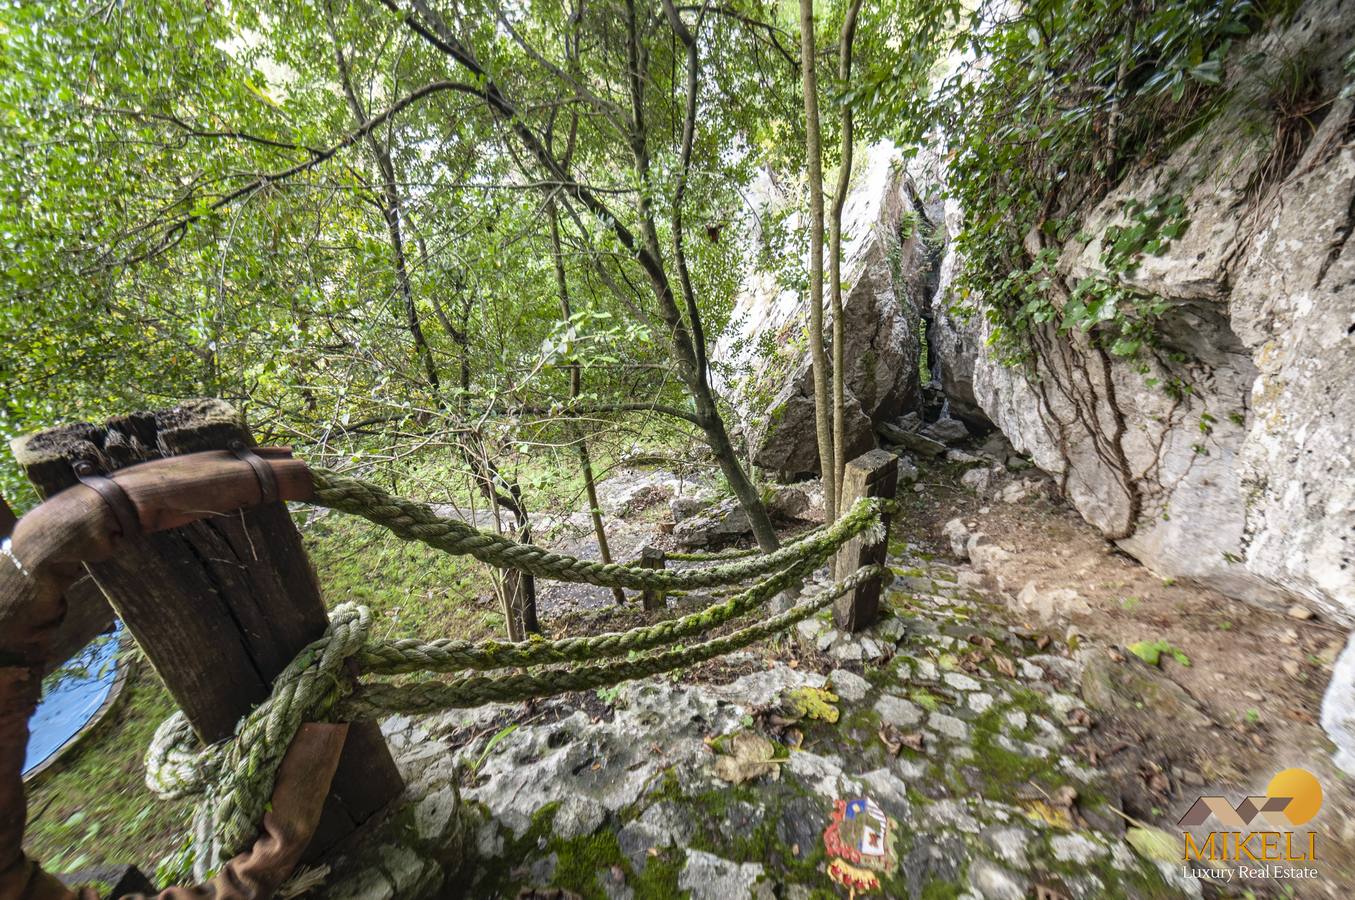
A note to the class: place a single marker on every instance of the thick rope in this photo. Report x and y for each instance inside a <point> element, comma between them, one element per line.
<point>430,696</point>
<point>417,522</point>
<point>711,555</point>
<point>444,655</point>
<point>236,777</point>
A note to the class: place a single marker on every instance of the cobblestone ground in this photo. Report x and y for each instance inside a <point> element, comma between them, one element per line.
<point>959,727</point>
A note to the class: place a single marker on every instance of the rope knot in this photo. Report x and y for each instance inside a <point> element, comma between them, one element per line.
<point>235,778</point>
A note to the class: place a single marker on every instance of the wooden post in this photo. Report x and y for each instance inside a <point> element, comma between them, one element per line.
<point>873,474</point>
<point>219,606</point>
<point>652,558</point>
<point>88,614</point>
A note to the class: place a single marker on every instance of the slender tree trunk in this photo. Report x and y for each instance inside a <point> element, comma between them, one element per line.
<point>575,388</point>
<point>844,179</point>
<point>689,359</point>
<point>814,158</point>
<point>483,469</point>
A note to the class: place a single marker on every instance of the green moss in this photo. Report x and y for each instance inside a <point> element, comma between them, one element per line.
<point>924,699</point>
<point>658,880</point>
<point>941,890</point>
<point>582,859</point>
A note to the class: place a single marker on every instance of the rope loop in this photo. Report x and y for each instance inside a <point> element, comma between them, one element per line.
<point>234,778</point>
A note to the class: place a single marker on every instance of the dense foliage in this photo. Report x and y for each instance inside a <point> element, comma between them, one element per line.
<point>1046,106</point>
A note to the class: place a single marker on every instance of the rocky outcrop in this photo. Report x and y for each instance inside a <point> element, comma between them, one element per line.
<point>1245,480</point>
<point>1227,456</point>
<point>887,265</point>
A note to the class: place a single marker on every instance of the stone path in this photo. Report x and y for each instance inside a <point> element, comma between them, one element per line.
<point>615,795</point>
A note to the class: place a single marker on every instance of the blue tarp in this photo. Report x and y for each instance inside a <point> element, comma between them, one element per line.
<point>71,697</point>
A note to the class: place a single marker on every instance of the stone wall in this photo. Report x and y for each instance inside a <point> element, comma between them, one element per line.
<point>1247,482</point>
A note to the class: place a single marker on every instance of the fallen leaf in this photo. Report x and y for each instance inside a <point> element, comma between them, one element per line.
<point>895,739</point>
<point>1080,717</point>
<point>1064,796</point>
<point>1041,642</point>
<point>1040,811</point>
<point>814,703</point>
<point>744,757</point>
<point>1154,844</point>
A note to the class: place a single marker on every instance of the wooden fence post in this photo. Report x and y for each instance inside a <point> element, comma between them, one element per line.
<point>873,474</point>
<point>652,558</point>
<point>219,606</point>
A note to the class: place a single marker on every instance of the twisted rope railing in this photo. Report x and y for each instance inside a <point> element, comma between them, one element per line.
<point>416,521</point>
<point>235,778</point>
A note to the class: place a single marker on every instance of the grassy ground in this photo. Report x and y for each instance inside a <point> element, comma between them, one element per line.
<point>92,807</point>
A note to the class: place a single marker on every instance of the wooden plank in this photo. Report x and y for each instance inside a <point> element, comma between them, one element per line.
<point>653,558</point>
<point>873,474</point>
<point>219,605</point>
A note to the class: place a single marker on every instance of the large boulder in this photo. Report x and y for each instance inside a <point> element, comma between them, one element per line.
<point>1246,480</point>
<point>888,267</point>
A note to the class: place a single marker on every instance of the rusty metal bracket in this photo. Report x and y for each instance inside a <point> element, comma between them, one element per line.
<point>129,523</point>
<point>268,484</point>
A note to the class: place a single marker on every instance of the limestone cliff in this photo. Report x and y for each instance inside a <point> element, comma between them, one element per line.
<point>886,266</point>
<point>1228,455</point>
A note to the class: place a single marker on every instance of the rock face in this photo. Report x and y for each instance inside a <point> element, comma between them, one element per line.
<point>887,268</point>
<point>1247,481</point>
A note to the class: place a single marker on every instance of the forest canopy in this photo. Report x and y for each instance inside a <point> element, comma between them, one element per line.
<point>384,226</point>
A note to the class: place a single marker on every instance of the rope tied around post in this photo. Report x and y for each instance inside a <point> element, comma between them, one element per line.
<point>235,778</point>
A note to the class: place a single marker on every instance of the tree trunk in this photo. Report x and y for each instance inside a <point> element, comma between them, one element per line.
<point>844,178</point>
<point>483,470</point>
<point>430,26</point>
<point>575,388</point>
<point>814,163</point>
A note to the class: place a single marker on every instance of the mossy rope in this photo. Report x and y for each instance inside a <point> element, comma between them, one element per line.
<point>235,777</point>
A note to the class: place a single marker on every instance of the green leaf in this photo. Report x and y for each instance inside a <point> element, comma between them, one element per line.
<point>1151,652</point>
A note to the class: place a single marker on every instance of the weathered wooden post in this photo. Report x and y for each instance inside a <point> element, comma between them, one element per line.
<point>219,606</point>
<point>652,558</point>
<point>873,474</point>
